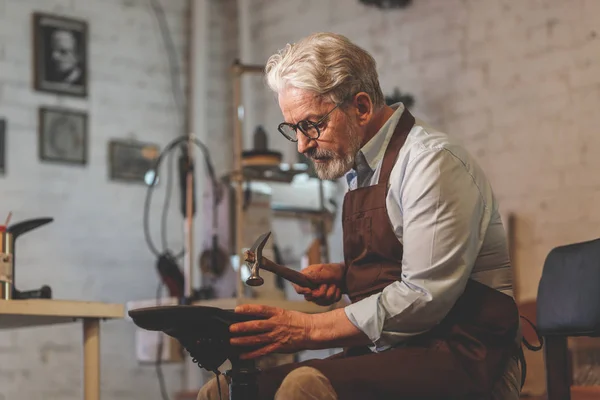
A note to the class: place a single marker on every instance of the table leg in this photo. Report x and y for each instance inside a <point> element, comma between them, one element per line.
<point>91,359</point>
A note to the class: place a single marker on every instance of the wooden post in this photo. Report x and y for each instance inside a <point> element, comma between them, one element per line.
<point>237,70</point>
<point>91,359</point>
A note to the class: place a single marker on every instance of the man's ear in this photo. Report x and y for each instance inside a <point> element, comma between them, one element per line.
<point>364,108</point>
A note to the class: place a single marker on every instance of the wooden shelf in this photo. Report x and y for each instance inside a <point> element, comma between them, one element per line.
<point>35,312</point>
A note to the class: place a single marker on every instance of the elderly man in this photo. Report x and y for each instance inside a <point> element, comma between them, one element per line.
<point>426,265</point>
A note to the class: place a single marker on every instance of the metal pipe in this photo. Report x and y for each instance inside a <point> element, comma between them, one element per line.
<point>189,127</point>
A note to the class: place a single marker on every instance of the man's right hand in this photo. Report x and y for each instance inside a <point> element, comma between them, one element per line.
<point>330,277</point>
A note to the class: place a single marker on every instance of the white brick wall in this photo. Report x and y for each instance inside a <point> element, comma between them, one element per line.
<point>515,80</point>
<point>95,249</point>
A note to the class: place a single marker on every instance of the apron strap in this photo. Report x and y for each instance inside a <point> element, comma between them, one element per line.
<point>405,124</point>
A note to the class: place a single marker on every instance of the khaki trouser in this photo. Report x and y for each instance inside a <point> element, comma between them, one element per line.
<point>307,383</point>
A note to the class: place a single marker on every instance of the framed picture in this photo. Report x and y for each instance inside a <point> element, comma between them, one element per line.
<point>63,135</point>
<point>131,160</point>
<point>2,146</point>
<point>60,55</point>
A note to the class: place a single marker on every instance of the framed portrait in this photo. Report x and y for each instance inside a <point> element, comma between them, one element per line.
<point>2,146</point>
<point>63,135</point>
<point>60,55</point>
<point>130,161</point>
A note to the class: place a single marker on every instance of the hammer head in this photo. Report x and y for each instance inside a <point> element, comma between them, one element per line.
<point>254,265</point>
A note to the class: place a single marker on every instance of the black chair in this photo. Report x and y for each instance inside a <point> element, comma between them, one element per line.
<point>568,304</point>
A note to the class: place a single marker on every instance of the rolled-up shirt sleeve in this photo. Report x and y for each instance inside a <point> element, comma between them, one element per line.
<point>444,219</point>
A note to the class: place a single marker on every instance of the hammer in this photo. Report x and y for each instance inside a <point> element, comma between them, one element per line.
<point>255,261</point>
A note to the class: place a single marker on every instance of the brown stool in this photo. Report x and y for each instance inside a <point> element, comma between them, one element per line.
<point>568,304</point>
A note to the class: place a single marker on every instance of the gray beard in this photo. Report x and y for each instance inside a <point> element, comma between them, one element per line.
<point>337,165</point>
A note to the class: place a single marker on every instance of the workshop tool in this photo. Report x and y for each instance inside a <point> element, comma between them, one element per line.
<point>255,261</point>
<point>204,333</point>
<point>8,238</point>
<point>6,264</point>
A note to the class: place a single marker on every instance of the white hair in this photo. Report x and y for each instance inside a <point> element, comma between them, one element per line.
<point>327,64</point>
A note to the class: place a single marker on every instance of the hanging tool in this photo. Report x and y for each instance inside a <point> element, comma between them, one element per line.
<point>255,261</point>
<point>8,242</point>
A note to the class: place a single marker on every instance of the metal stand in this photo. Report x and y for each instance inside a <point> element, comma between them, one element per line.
<point>244,380</point>
<point>243,373</point>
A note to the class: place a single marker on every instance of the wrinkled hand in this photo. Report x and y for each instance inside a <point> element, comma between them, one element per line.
<point>283,331</point>
<point>330,277</point>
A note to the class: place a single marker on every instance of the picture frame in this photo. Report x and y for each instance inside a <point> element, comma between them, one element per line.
<point>130,160</point>
<point>2,146</point>
<point>60,55</point>
<point>63,135</point>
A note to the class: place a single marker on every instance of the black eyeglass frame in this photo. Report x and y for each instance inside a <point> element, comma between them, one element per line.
<point>310,124</point>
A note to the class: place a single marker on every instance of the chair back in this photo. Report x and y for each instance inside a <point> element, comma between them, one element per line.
<point>568,304</point>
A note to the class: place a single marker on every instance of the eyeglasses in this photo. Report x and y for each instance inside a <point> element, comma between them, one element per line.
<point>308,128</point>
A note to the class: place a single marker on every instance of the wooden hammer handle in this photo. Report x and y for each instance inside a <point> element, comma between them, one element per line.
<point>284,272</point>
<point>288,274</point>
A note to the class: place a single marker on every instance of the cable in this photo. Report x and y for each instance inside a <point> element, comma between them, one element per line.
<point>178,98</point>
<point>159,12</point>
<point>166,151</point>
<point>218,385</point>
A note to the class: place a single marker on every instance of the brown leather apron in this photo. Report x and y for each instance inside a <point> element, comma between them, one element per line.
<point>460,358</point>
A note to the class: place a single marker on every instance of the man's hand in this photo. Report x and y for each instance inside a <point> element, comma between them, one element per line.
<point>283,331</point>
<point>331,279</point>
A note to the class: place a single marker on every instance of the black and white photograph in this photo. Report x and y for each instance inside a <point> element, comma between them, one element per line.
<point>60,54</point>
<point>63,135</point>
<point>131,160</point>
<point>2,146</point>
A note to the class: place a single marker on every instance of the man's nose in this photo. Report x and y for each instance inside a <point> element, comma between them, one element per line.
<point>305,143</point>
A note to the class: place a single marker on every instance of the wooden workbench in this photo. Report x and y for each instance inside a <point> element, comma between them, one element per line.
<point>40,312</point>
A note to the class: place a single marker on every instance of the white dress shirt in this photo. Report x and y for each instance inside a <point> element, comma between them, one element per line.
<point>444,213</point>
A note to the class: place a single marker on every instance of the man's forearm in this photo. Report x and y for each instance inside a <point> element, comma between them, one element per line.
<point>334,329</point>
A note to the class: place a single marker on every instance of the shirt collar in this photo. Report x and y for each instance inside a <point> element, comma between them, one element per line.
<point>373,151</point>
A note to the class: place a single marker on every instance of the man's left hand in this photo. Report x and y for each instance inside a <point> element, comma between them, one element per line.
<point>283,331</point>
